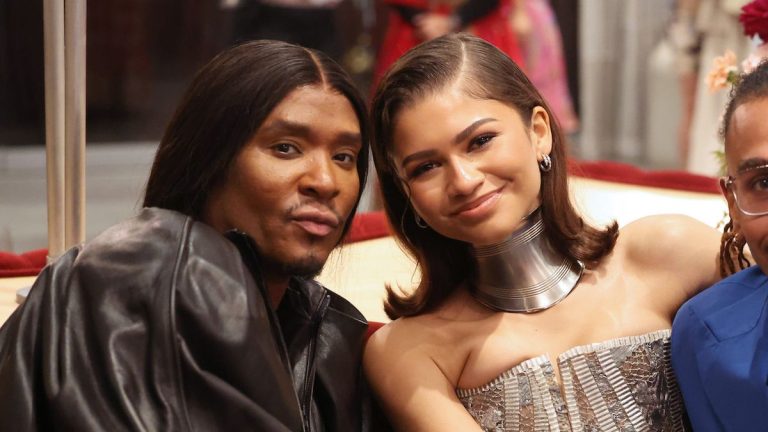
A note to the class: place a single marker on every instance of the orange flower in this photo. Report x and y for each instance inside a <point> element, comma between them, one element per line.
<point>723,70</point>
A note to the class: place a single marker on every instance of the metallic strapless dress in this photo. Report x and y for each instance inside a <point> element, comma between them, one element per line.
<point>624,384</point>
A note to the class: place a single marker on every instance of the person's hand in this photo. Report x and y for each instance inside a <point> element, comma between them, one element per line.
<point>432,25</point>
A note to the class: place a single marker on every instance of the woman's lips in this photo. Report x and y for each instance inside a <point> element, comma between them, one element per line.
<point>479,207</point>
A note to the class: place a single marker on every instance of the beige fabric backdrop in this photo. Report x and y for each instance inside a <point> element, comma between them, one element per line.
<point>617,38</point>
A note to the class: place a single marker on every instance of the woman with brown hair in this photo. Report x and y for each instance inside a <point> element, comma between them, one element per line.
<point>526,317</point>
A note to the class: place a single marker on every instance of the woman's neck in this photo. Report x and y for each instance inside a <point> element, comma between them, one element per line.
<point>524,273</point>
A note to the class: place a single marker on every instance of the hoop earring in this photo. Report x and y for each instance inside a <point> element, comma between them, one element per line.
<point>419,221</point>
<point>402,226</point>
<point>545,164</point>
<point>732,246</point>
<point>739,241</point>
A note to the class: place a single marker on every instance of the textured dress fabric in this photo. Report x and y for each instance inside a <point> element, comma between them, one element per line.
<point>162,324</point>
<point>624,384</point>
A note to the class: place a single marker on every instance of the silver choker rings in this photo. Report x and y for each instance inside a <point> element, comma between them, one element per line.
<point>524,273</point>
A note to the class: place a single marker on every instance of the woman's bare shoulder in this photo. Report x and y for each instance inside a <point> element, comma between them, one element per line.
<point>664,238</point>
<point>675,247</point>
<point>404,334</point>
<point>408,367</point>
<point>664,223</point>
<point>430,334</point>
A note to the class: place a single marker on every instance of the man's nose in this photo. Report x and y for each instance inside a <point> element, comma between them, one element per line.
<point>320,178</point>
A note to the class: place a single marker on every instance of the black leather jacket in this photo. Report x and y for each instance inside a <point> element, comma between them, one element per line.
<point>162,324</point>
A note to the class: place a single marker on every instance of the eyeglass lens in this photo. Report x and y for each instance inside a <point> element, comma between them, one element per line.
<point>751,190</point>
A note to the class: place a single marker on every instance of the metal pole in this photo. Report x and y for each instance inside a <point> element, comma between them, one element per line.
<point>53,18</point>
<point>74,164</point>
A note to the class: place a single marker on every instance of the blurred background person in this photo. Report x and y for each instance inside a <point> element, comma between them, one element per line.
<point>615,44</point>
<point>539,33</point>
<point>410,22</point>
<point>705,30</point>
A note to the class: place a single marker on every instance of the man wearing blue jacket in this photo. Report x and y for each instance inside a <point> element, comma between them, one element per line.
<point>720,337</point>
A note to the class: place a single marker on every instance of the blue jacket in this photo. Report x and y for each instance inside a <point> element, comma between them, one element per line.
<point>720,354</point>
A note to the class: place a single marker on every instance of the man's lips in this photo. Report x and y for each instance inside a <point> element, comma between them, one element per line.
<point>477,204</point>
<point>316,221</point>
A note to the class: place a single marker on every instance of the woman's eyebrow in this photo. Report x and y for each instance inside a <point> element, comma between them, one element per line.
<point>463,135</point>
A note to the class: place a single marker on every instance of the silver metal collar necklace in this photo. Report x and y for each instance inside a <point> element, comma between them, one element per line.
<point>524,273</point>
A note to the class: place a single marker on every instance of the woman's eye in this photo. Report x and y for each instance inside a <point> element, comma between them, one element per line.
<point>422,169</point>
<point>480,141</point>
<point>286,149</point>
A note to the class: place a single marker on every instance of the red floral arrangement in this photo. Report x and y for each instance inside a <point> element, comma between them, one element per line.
<point>754,18</point>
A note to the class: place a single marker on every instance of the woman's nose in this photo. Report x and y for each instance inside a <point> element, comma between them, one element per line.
<point>465,177</point>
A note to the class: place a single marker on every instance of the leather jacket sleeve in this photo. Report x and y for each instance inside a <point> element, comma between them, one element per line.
<point>154,325</point>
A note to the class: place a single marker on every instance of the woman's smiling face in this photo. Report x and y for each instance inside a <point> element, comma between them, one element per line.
<point>470,165</point>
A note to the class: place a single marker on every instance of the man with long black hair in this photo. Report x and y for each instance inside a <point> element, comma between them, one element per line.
<point>201,312</point>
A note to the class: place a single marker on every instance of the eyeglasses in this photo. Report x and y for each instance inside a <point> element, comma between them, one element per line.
<point>750,190</point>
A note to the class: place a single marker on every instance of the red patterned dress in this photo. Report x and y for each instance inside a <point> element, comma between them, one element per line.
<point>495,27</point>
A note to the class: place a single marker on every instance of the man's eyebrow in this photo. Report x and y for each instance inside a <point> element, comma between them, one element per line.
<point>302,130</point>
<point>286,126</point>
<point>750,163</point>
<point>463,135</point>
<point>354,139</point>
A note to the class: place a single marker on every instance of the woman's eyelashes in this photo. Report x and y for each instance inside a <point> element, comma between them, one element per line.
<point>479,142</point>
<point>421,169</point>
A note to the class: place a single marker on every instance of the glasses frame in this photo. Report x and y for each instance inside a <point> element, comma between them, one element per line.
<point>729,184</point>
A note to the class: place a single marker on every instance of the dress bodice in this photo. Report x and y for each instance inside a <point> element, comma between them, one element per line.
<point>623,384</point>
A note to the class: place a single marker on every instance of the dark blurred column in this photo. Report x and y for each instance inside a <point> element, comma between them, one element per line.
<point>119,77</point>
<point>203,31</point>
<point>21,73</point>
<point>312,27</point>
<point>567,12</point>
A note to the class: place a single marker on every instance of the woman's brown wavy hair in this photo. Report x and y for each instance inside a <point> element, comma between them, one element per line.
<point>483,72</point>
